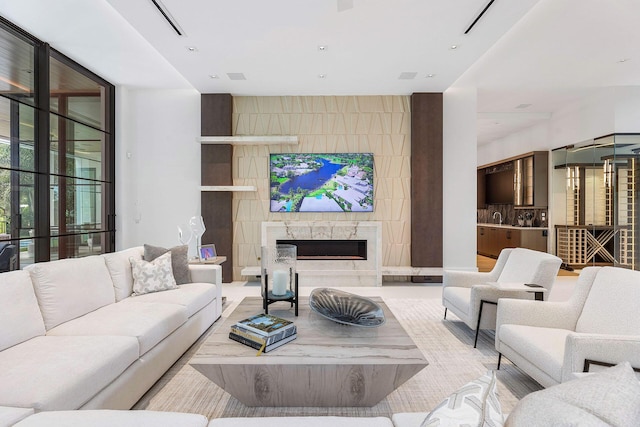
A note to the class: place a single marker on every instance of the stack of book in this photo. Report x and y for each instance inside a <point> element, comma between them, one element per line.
<point>263,332</point>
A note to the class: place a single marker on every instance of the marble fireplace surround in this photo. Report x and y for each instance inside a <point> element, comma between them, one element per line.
<point>334,272</point>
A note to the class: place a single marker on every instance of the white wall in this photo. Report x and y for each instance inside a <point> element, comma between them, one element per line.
<point>627,116</point>
<point>459,178</point>
<point>157,164</point>
<point>586,119</point>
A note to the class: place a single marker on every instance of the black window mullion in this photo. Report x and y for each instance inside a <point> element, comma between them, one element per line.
<point>42,148</point>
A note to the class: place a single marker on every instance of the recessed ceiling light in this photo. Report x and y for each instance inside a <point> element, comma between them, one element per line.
<point>214,76</point>
<point>322,76</point>
<point>192,48</point>
<point>454,47</point>
<point>407,75</point>
<point>521,106</point>
<point>323,48</point>
<point>430,76</point>
<point>624,60</point>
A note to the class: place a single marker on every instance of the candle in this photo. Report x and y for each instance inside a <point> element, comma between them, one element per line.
<point>280,280</point>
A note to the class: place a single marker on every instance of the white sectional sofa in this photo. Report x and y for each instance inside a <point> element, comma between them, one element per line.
<point>73,337</point>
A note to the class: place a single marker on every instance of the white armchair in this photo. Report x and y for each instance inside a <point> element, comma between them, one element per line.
<point>463,291</point>
<point>553,341</point>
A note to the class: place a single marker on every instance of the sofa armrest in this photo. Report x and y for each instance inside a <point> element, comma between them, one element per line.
<point>206,273</point>
<point>610,349</point>
<point>466,279</point>
<point>545,314</point>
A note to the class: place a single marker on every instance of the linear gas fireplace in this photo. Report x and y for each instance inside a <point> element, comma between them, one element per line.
<point>354,249</point>
<point>329,250</point>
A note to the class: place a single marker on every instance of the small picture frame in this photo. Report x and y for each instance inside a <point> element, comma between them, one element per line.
<point>207,252</point>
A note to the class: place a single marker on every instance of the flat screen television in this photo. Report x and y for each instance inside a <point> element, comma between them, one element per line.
<point>325,182</point>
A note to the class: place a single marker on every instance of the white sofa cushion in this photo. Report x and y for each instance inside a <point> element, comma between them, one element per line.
<point>112,418</point>
<point>408,419</point>
<point>120,270</point>
<point>9,415</point>
<point>20,317</point>
<point>148,323</point>
<point>68,288</point>
<point>51,372</point>
<point>193,296</point>
<point>542,347</point>
<point>607,398</point>
<point>322,421</point>
<point>612,304</point>
<point>519,267</point>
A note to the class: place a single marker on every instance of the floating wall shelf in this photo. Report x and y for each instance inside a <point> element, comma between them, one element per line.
<point>228,188</point>
<point>249,140</point>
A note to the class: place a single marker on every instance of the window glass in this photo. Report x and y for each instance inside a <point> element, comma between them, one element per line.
<point>16,135</point>
<point>17,73</point>
<point>76,205</point>
<point>76,150</point>
<point>75,95</point>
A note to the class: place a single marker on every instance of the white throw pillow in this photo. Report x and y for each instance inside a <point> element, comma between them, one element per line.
<point>474,404</point>
<point>152,276</point>
<point>607,398</point>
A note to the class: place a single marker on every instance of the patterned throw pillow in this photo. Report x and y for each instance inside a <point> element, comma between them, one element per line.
<point>475,404</point>
<point>153,276</point>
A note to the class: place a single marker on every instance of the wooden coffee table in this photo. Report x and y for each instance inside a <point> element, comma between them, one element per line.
<point>328,364</point>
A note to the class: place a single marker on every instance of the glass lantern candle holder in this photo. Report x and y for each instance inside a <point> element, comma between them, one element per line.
<point>279,277</point>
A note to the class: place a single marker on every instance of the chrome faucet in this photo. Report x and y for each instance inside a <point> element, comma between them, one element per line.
<point>499,216</point>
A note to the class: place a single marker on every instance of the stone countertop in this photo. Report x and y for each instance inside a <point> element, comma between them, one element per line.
<point>512,227</point>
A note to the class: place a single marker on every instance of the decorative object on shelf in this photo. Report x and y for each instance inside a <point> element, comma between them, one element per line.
<point>528,218</point>
<point>196,223</point>
<point>184,234</point>
<point>279,277</point>
<point>347,308</point>
<point>207,252</point>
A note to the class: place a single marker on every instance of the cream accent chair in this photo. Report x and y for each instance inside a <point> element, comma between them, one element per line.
<point>551,341</point>
<point>463,290</point>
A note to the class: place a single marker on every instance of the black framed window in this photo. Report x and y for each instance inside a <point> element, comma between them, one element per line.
<point>57,192</point>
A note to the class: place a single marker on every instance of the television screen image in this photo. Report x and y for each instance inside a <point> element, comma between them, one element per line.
<point>312,182</point>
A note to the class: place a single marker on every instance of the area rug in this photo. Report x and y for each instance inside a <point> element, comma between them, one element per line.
<point>446,344</point>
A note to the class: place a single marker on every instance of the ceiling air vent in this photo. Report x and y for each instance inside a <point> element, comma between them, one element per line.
<point>167,16</point>
<point>236,76</point>
<point>407,75</point>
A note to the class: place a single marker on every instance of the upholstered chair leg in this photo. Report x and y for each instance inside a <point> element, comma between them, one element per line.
<point>499,360</point>
<point>445,313</point>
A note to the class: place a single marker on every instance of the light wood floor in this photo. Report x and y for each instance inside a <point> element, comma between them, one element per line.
<point>486,264</point>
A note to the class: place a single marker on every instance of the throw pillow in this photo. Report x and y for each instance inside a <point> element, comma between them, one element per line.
<point>475,404</point>
<point>179,260</point>
<point>153,276</point>
<point>610,397</point>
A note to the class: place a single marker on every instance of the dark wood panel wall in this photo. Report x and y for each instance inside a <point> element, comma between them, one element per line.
<point>215,169</point>
<point>426,181</point>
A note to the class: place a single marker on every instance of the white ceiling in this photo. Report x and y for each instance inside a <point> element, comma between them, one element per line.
<point>546,53</point>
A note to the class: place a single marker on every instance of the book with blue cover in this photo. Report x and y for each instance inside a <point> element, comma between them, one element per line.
<point>265,325</point>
